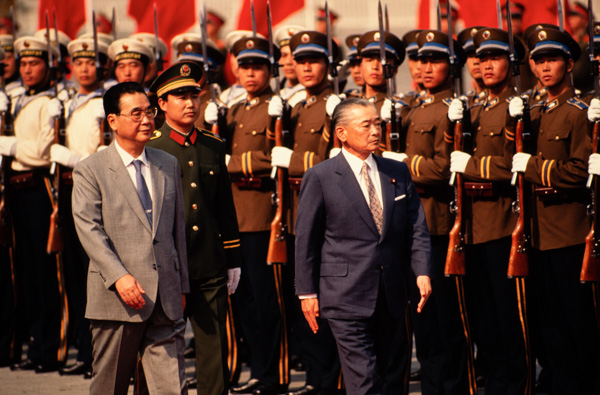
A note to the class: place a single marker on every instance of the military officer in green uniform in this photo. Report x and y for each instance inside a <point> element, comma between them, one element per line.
<point>213,243</point>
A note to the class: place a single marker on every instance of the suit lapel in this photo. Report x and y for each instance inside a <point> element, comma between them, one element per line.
<point>352,191</point>
<point>387,193</point>
<point>125,184</point>
<point>158,187</point>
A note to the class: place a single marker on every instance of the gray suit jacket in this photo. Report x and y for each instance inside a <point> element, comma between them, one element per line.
<point>116,235</point>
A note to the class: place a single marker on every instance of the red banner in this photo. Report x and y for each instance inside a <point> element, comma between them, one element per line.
<point>280,10</point>
<point>70,15</point>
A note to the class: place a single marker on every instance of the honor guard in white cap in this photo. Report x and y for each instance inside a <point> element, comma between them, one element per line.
<point>291,89</point>
<point>131,60</point>
<point>150,40</point>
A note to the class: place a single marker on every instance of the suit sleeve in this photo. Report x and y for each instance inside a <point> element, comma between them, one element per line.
<point>310,231</point>
<point>179,229</point>
<point>87,214</point>
<point>418,235</point>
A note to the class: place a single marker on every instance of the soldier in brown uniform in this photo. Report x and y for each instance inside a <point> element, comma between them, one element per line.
<point>412,50</point>
<point>310,141</point>
<point>494,317</point>
<point>538,92</point>
<point>250,139</point>
<point>465,38</point>
<point>440,339</point>
<point>557,172</point>
<point>354,60</point>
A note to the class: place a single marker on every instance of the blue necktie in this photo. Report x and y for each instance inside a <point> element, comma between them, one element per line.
<point>142,190</point>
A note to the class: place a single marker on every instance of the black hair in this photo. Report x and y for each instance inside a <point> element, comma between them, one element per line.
<point>341,115</point>
<point>112,97</point>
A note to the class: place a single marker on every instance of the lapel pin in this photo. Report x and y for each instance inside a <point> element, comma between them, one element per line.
<point>393,181</point>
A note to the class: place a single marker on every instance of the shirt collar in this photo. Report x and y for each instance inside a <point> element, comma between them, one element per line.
<point>127,158</point>
<point>356,163</point>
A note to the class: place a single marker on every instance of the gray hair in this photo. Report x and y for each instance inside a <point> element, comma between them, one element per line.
<point>342,114</point>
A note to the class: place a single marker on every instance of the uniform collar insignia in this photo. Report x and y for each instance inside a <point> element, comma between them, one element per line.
<point>492,102</point>
<point>308,102</point>
<point>181,138</point>
<point>551,105</point>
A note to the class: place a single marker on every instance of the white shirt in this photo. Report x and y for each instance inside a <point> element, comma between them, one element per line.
<point>356,165</point>
<point>128,162</point>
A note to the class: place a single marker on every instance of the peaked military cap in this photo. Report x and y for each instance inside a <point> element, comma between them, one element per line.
<point>84,48</point>
<point>536,27</point>
<point>180,75</point>
<point>493,41</point>
<point>235,35</point>
<point>127,48</point>
<point>352,44</point>
<point>189,47</point>
<point>106,38</point>
<point>465,38</point>
<point>369,45</point>
<point>150,40</point>
<point>63,39</point>
<point>7,42</point>
<point>254,49</point>
<point>435,43</point>
<point>34,46</point>
<point>311,43</point>
<point>283,35</point>
<point>551,42</point>
<point>410,42</point>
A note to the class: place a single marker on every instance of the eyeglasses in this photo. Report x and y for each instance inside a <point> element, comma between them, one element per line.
<point>138,115</point>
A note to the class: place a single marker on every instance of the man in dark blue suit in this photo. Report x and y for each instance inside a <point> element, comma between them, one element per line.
<point>353,253</point>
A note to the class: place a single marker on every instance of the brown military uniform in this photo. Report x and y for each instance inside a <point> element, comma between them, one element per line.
<point>428,145</point>
<point>488,172</point>
<point>249,142</point>
<point>559,172</point>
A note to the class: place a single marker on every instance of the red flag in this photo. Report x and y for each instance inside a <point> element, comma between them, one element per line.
<point>479,12</point>
<point>173,18</point>
<point>70,15</point>
<point>280,10</point>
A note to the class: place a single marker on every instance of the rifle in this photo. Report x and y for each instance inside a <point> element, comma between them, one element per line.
<point>392,128</point>
<point>277,253</point>
<point>590,269</point>
<point>157,53</point>
<point>113,22</point>
<point>332,69</point>
<point>455,258</point>
<point>105,135</point>
<point>55,235</point>
<point>518,263</point>
<point>210,77</point>
<point>6,234</point>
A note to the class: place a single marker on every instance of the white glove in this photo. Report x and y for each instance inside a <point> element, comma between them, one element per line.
<point>334,151</point>
<point>280,157</point>
<point>515,107</point>
<point>275,107</point>
<point>211,114</point>
<point>332,103</point>
<point>98,110</point>
<point>386,110</point>
<point>8,145</point>
<point>4,102</point>
<point>63,156</point>
<point>233,279</point>
<point>399,156</point>
<point>594,110</point>
<point>18,91</point>
<point>227,159</point>
<point>343,69</point>
<point>458,159</point>
<point>594,164</point>
<point>455,111</point>
<point>54,110</point>
<point>63,96</point>
<point>519,163</point>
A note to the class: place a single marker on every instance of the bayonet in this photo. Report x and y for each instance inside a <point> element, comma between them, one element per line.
<point>499,13</point>
<point>99,71</point>
<point>157,54</point>
<point>593,61</point>
<point>453,63</point>
<point>561,15</point>
<point>387,69</point>
<point>274,66</point>
<point>14,29</point>
<point>50,55</point>
<point>514,62</point>
<point>207,68</point>
<point>332,64</point>
<point>57,42</point>
<point>439,16</point>
<point>387,19</point>
<point>113,22</point>
<point>253,18</point>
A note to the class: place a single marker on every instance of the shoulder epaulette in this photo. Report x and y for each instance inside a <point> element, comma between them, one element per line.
<point>508,99</point>
<point>477,103</point>
<point>155,135</point>
<point>538,104</point>
<point>575,102</point>
<point>210,134</point>
<point>325,98</point>
<point>447,101</point>
<point>401,102</point>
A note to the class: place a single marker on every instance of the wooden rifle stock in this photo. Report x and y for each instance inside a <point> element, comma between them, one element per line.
<point>393,141</point>
<point>277,253</point>
<point>518,263</point>
<point>55,235</point>
<point>6,235</point>
<point>455,258</point>
<point>590,269</point>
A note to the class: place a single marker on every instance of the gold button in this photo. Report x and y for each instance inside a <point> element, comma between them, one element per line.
<point>187,144</point>
<point>540,153</point>
<point>241,125</point>
<point>492,133</point>
<point>190,163</point>
<point>193,185</point>
<point>211,172</point>
<point>195,228</point>
<point>234,145</point>
<point>556,138</point>
<point>299,124</point>
<point>312,130</point>
<point>254,132</point>
<point>412,124</point>
<point>478,127</point>
<point>194,206</point>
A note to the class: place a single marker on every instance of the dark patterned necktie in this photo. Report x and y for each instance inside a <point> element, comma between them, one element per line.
<point>374,204</point>
<point>142,190</point>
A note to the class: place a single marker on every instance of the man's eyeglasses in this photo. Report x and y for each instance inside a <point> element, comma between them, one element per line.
<point>138,115</point>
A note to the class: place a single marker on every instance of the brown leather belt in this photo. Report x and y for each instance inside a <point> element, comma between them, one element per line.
<point>295,183</point>
<point>550,195</point>
<point>67,177</point>
<point>253,182</point>
<point>479,189</point>
<point>23,180</point>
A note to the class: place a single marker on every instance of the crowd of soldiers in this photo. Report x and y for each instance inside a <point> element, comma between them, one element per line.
<point>227,149</point>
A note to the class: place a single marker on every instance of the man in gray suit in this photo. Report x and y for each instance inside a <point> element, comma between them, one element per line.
<point>360,229</point>
<point>128,211</point>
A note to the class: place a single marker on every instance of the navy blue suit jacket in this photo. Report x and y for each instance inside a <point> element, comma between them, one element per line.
<point>339,254</point>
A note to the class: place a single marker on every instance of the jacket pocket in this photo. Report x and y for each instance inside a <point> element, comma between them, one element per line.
<point>334,269</point>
